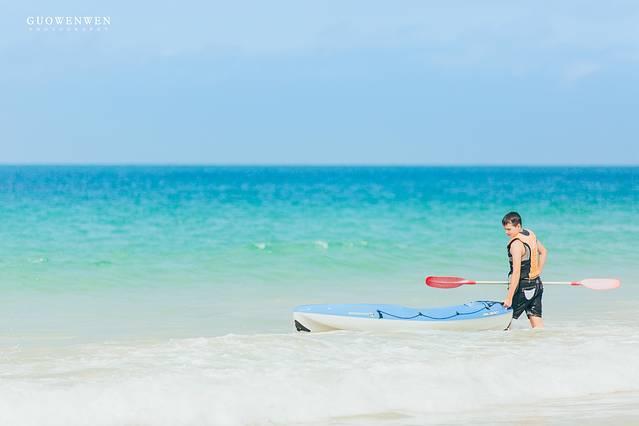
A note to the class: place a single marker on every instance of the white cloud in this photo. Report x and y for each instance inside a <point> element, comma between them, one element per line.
<point>578,71</point>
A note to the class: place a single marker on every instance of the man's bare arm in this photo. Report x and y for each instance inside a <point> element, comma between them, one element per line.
<point>517,252</point>
<point>543,254</point>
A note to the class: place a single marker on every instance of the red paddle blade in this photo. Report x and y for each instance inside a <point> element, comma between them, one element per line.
<point>447,282</point>
<point>599,283</point>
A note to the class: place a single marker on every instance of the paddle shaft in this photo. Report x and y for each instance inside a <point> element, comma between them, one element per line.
<point>590,283</point>
<point>544,282</point>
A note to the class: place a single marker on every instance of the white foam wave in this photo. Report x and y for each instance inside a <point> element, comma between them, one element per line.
<point>322,244</point>
<point>291,379</point>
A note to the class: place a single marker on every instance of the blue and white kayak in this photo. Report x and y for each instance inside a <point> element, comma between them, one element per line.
<point>480,315</point>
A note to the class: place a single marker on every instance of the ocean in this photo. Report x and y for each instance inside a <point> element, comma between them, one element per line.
<point>162,295</point>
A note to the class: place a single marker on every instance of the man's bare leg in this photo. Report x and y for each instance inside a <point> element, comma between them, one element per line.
<point>536,322</point>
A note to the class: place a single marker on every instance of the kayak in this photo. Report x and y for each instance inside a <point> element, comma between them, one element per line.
<point>479,315</point>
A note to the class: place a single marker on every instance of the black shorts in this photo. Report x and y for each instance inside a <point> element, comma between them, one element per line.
<point>528,298</point>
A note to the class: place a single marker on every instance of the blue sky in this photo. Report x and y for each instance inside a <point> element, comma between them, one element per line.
<point>331,82</point>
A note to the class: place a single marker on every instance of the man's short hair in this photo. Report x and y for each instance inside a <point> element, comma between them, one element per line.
<point>511,218</point>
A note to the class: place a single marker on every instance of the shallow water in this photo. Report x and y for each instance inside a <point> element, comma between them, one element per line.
<point>150,296</point>
<point>332,378</point>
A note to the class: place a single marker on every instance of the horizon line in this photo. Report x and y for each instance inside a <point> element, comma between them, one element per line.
<point>317,165</point>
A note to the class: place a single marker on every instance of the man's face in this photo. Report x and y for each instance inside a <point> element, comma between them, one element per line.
<point>512,230</point>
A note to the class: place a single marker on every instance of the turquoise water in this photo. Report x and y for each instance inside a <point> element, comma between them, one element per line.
<point>111,276</point>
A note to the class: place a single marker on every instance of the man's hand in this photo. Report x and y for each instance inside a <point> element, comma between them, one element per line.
<point>508,302</point>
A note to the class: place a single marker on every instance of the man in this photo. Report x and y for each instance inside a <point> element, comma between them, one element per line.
<point>527,257</point>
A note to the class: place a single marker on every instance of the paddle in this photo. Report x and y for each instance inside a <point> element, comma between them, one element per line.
<point>591,283</point>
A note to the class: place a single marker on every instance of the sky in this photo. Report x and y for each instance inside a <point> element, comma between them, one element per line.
<point>324,82</point>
